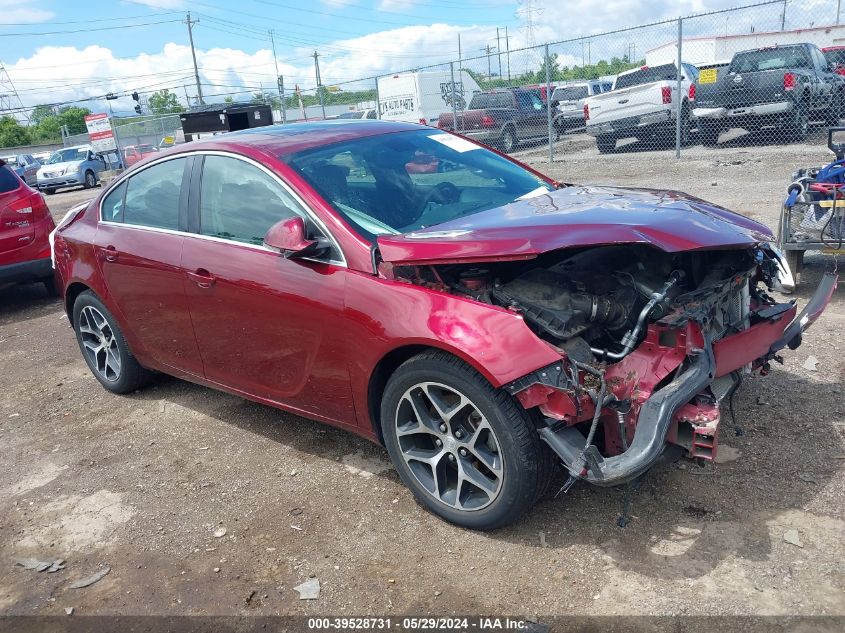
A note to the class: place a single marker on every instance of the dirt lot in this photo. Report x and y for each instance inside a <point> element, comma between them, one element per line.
<point>141,484</point>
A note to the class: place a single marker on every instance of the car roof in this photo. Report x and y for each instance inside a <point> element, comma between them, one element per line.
<point>289,139</point>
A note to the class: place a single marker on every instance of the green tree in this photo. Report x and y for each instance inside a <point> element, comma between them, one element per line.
<point>12,133</point>
<point>74,118</point>
<point>228,99</point>
<point>266,97</point>
<point>164,102</point>
<point>40,113</point>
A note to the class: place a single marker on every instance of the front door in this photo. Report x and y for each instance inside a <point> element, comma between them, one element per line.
<point>139,248</point>
<point>267,326</point>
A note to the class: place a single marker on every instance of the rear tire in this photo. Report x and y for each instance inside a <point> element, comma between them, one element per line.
<point>834,113</point>
<point>484,435</point>
<point>799,124</point>
<point>709,133</point>
<point>508,140</point>
<point>103,346</point>
<point>605,144</point>
<point>49,192</point>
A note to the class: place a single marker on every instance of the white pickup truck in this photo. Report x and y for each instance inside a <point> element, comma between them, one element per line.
<point>643,105</point>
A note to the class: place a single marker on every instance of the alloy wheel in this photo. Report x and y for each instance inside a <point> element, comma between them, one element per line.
<point>449,446</point>
<point>90,181</point>
<point>99,343</point>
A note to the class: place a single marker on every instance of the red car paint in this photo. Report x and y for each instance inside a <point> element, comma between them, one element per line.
<point>25,226</point>
<point>836,55</point>
<point>136,153</point>
<point>578,216</point>
<point>312,337</point>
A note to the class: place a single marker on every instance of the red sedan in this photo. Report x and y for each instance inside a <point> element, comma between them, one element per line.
<point>483,322</point>
<point>25,226</point>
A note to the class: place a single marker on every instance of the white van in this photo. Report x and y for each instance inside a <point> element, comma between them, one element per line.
<point>420,97</point>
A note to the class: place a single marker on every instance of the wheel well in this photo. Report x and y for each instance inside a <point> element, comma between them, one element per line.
<point>72,292</point>
<point>381,374</point>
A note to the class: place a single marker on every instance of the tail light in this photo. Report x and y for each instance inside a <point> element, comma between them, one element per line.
<point>33,206</point>
<point>692,92</point>
<point>586,112</point>
<point>487,121</point>
<point>789,80</point>
<point>423,122</point>
<point>666,92</point>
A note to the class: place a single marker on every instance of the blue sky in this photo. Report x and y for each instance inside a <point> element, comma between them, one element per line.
<point>59,51</point>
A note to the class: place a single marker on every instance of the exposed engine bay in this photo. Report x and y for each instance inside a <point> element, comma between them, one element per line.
<point>594,303</point>
<point>651,343</point>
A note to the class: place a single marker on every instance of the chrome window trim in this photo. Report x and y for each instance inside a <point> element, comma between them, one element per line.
<point>309,213</point>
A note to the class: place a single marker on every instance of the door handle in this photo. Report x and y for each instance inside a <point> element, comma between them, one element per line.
<point>202,278</point>
<point>110,253</point>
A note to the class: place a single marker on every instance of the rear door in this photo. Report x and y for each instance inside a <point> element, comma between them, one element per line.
<point>139,249</point>
<point>17,230</point>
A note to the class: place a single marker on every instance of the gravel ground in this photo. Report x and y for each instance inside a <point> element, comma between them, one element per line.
<point>146,484</point>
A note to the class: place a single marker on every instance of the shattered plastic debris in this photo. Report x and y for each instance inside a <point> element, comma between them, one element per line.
<point>309,590</point>
<point>811,363</point>
<point>220,532</point>
<point>90,580</point>
<point>40,565</point>
<point>792,537</point>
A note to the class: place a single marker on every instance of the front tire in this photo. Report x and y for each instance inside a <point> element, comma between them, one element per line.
<point>799,124</point>
<point>709,133</point>
<point>103,346</point>
<point>90,180</point>
<point>49,192</point>
<point>468,452</point>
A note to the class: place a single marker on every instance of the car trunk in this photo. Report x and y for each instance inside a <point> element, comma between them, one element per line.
<point>626,102</point>
<point>739,90</point>
<point>17,226</point>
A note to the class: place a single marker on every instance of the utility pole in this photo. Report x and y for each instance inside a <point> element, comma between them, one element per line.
<point>488,49</point>
<point>783,17</point>
<point>190,24</point>
<point>282,92</point>
<point>279,80</point>
<point>499,51</point>
<point>460,64</point>
<point>508,52</point>
<point>319,83</point>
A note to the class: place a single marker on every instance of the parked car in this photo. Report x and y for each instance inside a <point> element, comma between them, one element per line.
<point>134,153</point>
<point>24,165</point>
<point>643,105</point>
<point>503,118</point>
<point>369,113</point>
<point>835,56</point>
<point>70,167</point>
<point>781,86</point>
<point>42,157</point>
<point>481,322</point>
<point>568,102</point>
<point>25,225</point>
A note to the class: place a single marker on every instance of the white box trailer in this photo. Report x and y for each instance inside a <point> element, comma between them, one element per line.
<point>420,97</point>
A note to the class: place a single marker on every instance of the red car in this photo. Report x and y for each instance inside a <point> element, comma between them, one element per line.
<point>483,323</point>
<point>835,56</point>
<point>25,226</point>
<point>135,153</point>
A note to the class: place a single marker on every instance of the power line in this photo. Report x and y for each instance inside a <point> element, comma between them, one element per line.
<point>88,21</point>
<point>101,28</point>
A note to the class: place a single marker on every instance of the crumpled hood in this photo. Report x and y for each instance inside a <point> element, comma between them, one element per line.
<point>73,164</point>
<point>578,216</point>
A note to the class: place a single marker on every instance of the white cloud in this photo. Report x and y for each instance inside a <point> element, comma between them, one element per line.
<point>339,4</point>
<point>161,4</point>
<point>22,12</point>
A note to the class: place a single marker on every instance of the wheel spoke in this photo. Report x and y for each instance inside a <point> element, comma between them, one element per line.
<point>445,411</point>
<point>99,343</point>
<point>467,472</point>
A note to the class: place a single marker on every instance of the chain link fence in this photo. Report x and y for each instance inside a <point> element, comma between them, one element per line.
<point>765,73</point>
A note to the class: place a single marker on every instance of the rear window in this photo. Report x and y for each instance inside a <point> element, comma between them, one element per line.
<point>482,101</point>
<point>573,93</point>
<point>8,180</point>
<point>770,59</point>
<point>647,75</point>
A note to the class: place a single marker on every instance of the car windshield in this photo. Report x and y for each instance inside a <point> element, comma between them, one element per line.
<point>484,100</point>
<point>769,59</point>
<point>836,57</point>
<point>573,93</point>
<point>69,154</point>
<point>146,148</point>
<point>402,182</point>
<point>647,75</point>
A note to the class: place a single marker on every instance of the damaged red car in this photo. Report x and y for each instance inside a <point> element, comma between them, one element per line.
<point>481,321</point>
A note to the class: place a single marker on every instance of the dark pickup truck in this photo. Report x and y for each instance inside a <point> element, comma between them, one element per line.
<point>781,86</point>
<point>501,118</point>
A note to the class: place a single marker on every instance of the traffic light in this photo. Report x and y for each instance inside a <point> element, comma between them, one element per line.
<point>137,98</point>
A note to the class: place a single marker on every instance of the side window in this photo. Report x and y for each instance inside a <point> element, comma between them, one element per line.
<point>152,195</point>
<point>112,208</point>
<point>238,201</point>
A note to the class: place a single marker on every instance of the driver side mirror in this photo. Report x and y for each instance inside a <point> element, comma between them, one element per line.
<point>289,238</point>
